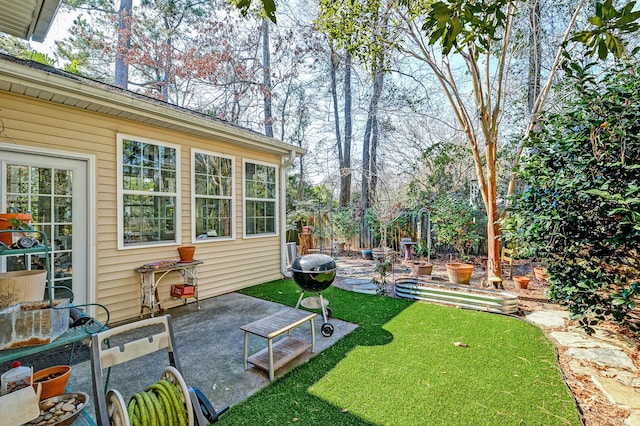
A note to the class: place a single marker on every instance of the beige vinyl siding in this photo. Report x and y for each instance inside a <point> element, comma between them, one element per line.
<point>228,265</point>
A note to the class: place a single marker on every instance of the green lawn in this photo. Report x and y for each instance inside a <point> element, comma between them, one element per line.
<point>401,367</point>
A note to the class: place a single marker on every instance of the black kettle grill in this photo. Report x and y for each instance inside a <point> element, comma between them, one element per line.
<point>315,273</point>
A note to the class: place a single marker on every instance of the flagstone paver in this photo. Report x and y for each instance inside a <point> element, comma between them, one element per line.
<point>603,357</point>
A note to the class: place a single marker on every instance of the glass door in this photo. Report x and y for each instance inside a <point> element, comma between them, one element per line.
<point>53,190</point>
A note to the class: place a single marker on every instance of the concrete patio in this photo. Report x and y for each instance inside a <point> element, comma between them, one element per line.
<point>209,348</point>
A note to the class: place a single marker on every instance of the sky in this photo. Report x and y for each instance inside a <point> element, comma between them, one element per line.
<point>59,29</point>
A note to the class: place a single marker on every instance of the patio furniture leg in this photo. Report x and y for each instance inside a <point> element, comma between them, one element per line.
<point>271,375</point>
<point>246,349</point>
<point>313,336</point>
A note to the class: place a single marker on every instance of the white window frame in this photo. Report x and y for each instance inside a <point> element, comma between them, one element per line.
<point>232,197</point>
<point>121,192</point>
<point>245,199</point>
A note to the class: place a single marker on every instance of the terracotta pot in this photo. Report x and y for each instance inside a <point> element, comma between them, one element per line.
<point>186,253</point>
<point>521,282</point>
<point>7,237</point>
<point>459,273</point>
<point>422,268</point>
<point>540,273</point>
<point>54,386</point>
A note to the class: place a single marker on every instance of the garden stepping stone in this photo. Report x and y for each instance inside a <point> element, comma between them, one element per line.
<point>618,393</point>
<point>549,319</point>
<point>603,356</point>
<point>360,285</point>
<point>633,419</point>
<point>578,340</point>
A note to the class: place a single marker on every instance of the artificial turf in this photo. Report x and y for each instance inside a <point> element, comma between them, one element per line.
<point>414,364</point>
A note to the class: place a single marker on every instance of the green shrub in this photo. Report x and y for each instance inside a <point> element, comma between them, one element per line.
<point>580,211</point>
<point>456,223</point>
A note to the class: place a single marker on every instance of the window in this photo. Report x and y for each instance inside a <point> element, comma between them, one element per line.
<point>148,184</point>
<point>259,199</point>
<point>213,187</point>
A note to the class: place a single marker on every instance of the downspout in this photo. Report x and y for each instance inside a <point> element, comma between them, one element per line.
<point>286,162</point>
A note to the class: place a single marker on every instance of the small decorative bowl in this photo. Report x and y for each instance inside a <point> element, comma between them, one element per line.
<point>79,399</point>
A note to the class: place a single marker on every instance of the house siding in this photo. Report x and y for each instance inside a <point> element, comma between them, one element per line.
<point>228,265</point>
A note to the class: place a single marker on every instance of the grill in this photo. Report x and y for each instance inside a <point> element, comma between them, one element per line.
<point>315,273</point>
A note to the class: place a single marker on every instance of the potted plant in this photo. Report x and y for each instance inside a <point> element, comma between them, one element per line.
<point>422,266</point>
<point>456,225</point>
<point>13,221</point>
<point>345,225</point>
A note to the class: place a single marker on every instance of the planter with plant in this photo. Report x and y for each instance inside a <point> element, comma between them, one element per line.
<point>15,222</point>
<point>422,266</point>
<point>344,225</point>
<point>299,221</point>
<point>457,225</point>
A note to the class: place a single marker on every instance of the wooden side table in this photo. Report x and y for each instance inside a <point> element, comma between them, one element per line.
<point>278,354</point>
<point>152,274</point>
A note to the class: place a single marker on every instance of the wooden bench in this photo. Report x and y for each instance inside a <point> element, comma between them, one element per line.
<point>278,354</point>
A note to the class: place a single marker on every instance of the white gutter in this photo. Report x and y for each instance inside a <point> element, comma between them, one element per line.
<point>286,162</point>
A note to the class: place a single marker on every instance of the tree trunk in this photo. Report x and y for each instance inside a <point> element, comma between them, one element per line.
<point>266,83</point>
<point>166,82</point>
<point>121,77</point>
<point>335,62</point>
<point>378,82</point>
<point>535,55</point>
<point>494,266</point>
<point>365,200</point>
<point>370,147</point>
<point>345,167</point>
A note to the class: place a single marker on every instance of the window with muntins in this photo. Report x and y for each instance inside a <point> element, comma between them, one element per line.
<point>260,189</point>
<point>213,187</point>
<point>149,192</point>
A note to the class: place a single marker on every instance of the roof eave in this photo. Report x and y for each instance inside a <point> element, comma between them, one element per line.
<point>43,84</point>
<point>43,19</point>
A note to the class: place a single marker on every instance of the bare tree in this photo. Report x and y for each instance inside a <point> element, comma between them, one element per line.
<point>124,44</point>
<point>266,82</point>
<point>343,147</point>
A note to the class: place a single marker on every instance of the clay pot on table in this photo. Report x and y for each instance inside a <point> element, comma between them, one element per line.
<point>186,253</point>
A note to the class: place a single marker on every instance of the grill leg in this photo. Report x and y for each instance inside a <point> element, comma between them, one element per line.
<point>300,300</point>
<point>323,308</point>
